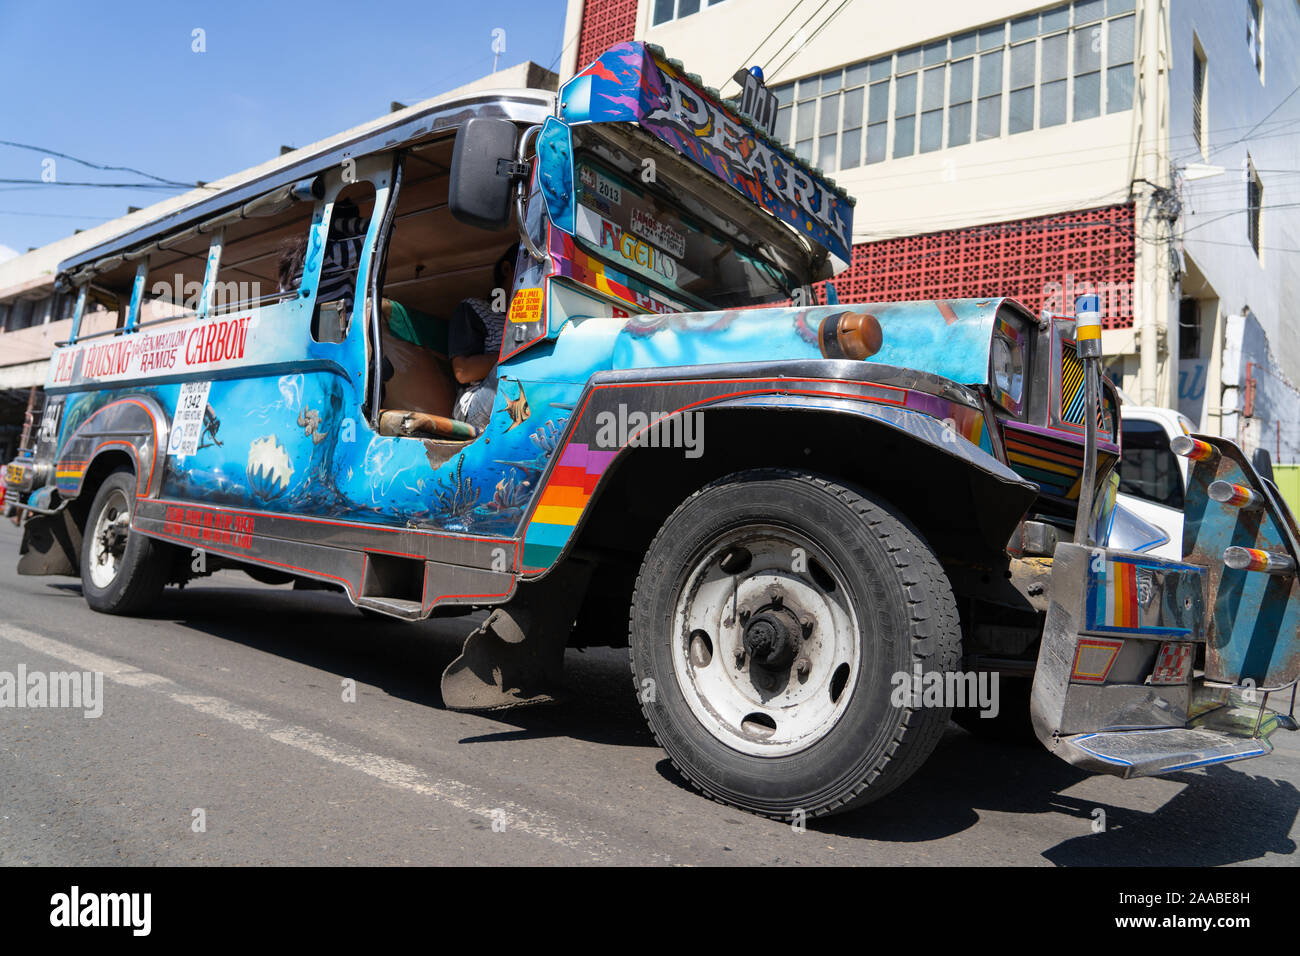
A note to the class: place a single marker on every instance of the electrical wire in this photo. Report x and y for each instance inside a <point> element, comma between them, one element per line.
<point>94,165</point>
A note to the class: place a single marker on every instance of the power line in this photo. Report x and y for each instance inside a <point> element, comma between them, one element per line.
<point>792,36</point>
<point>836,12</point>
<point>753,52</point>
<point>1236,212</point>
<point>50,215</point>
<point>40,183</point>
<point>1242,245</point>
<point>1280,104</point>
<point>564,47</point>
<point>92,165</point>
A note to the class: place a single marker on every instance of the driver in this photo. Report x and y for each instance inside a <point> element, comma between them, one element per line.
<point>474,344</point>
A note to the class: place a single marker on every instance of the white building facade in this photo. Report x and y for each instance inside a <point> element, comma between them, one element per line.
<point>1148,150</point>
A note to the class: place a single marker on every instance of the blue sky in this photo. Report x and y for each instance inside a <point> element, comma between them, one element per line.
<point>119,84</point>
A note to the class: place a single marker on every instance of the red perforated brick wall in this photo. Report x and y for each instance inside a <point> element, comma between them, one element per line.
<point>1045,262</point>
<point>604,23</point>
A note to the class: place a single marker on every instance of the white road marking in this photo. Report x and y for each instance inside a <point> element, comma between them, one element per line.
<point>394,773</point>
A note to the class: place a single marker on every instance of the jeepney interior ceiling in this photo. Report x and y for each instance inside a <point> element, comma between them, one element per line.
<point>435,261</point>
<point>178,263</point>
<point>251,248</point>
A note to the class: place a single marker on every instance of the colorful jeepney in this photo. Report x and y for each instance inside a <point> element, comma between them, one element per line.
<point>802,507</point>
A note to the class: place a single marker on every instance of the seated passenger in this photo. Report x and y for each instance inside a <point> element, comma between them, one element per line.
<point>414,349</point>
<point>475,344</point>
<point>338,271</point>
<point>413,344</point>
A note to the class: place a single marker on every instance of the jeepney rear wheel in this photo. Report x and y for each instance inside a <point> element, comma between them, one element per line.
<point>122,571</point>
<point>772,617</point>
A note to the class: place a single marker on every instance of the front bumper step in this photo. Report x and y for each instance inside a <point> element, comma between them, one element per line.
<point>1146,753</point>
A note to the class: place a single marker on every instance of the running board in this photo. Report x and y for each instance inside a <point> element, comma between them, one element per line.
<point>393,607</point>
<point>1147,753</point>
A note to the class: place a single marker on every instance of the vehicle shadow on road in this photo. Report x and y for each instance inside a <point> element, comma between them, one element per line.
<point>968,775</point>
<point>321,629</point>
<point>1193,829</point>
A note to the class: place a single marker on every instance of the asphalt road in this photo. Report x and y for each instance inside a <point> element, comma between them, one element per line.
<point>229,700</point>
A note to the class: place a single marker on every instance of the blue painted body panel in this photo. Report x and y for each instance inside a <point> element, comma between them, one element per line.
<point>916,335</point>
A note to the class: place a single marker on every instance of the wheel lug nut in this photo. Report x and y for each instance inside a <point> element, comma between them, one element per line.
<point>802,667</point>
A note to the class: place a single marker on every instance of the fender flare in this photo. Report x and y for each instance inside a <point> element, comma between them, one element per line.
<point>134,423</point>
<point>581,462</point>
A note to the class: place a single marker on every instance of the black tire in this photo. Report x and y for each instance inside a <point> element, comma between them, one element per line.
<point>897,589</point>
<point>142,565</point>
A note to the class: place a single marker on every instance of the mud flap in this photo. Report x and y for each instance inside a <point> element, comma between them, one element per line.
<point>516,657</point>
<point>1115,689</point>
<point>51,545</point>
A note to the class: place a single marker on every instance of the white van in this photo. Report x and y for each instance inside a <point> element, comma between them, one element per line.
<point>1152,479</point>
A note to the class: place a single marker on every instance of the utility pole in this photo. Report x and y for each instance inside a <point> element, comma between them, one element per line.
<point>1157,335</point>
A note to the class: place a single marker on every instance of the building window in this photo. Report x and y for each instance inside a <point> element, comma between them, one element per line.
<point>1254,202</point>
<point>1023,76</point>
<point>665,10</point>
<point>828,124</point>
<point>905,89</point>
<point>805,118</point>
<point>1087,71</point>
<point>988,122</point>
<point>1199,73</point>
<point>1120,53</point>
<point>1051,108</point>
<point>878,110</point>
<point>1255,34</point>
<point>784,111</point>
<point>932,92</point>
<point>20,315</point>
<point>961,86</point>
<point>1189,329</point>
<point>1074,61</point>
<point>851,140</point>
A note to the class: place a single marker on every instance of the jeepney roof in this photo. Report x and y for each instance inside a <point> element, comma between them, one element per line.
<point>403,126</point>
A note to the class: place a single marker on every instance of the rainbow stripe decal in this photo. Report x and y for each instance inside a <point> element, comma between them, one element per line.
<point>1072,390</point>
<point>562,502</point>
<point>591,272</point>
<point>1055,465</point>
<point>1115,590</point>
<point>1117,602</point>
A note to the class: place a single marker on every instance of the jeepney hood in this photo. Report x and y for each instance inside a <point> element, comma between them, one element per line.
<point>949,338</point>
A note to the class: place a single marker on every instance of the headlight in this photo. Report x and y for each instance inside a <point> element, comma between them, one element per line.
<point>1007,372</point>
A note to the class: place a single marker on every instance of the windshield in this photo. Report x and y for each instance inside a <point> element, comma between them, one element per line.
<point>1148,469</point>
<point>640,228</point>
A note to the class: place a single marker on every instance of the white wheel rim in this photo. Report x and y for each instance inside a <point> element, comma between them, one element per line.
<point>790,592</point>
<point>108,542</point>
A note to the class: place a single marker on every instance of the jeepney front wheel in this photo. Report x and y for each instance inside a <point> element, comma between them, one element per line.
<point>774,617</point>
<point>122,572</point>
